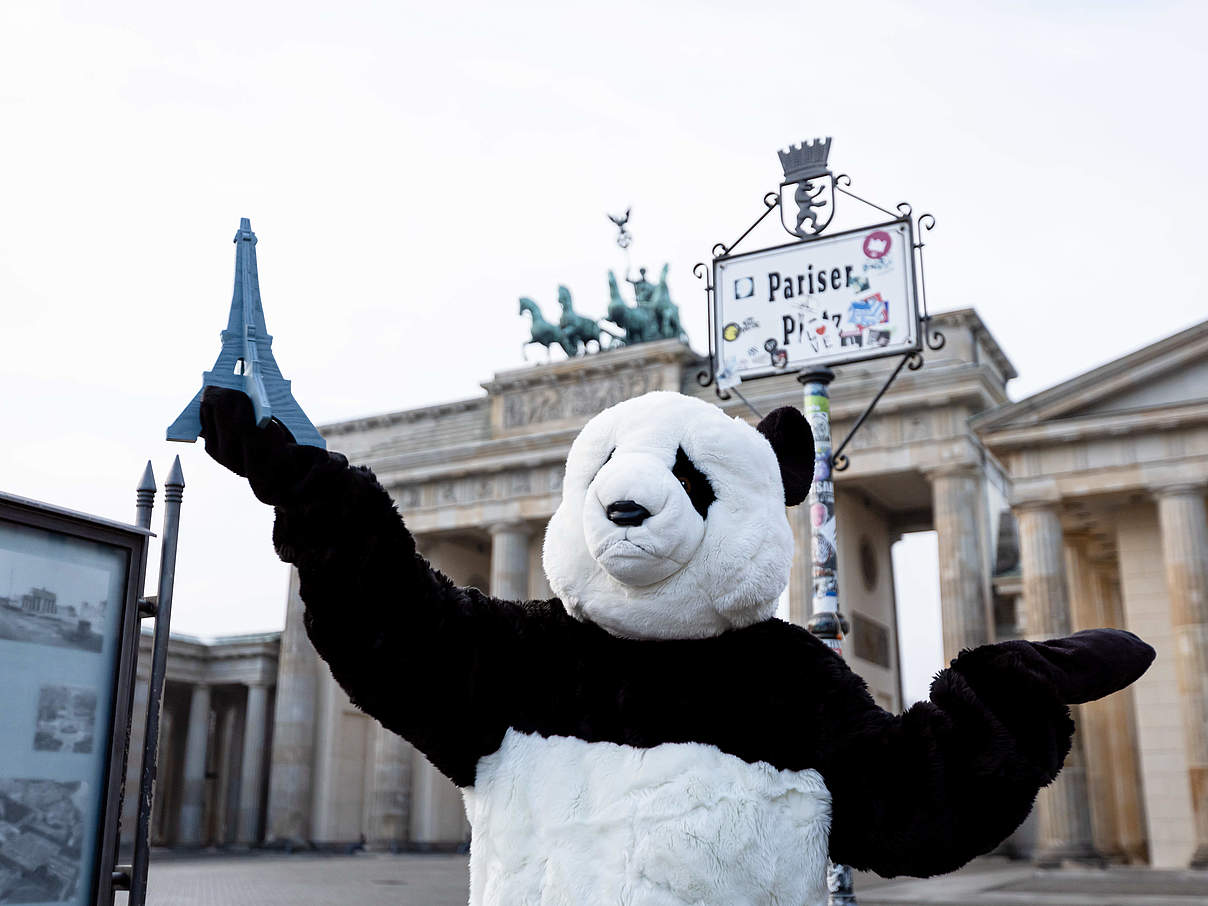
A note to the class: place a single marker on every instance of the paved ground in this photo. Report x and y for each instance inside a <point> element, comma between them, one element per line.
<point>265,879</point>
<point>307,880</point>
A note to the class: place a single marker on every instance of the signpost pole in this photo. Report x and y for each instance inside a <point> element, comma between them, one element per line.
<point>826,622</point>
<point>821,300</point>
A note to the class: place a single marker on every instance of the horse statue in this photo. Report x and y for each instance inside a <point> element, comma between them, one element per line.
<point>638,322</point>
<point>544,332</point>
<point>581,330</point>
<point>666,312</point>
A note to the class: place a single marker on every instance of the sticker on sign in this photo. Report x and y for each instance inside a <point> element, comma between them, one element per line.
<point>827,301</point>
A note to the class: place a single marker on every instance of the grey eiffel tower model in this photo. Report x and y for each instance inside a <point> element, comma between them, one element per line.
<point>246,361</point>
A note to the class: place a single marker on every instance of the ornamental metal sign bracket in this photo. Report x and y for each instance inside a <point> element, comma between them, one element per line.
<point>816,306</point>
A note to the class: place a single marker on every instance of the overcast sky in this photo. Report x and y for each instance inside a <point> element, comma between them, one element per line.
<point>411,170</point>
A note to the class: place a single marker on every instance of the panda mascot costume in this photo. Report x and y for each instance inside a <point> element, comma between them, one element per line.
<point>653,735</point>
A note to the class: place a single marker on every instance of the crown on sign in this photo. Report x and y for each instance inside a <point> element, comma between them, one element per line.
<point>805,161</point>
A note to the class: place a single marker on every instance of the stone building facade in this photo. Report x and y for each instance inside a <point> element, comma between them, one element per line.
<point>1108,473</point>
<point>1082,505</point>
<point>215,736</point>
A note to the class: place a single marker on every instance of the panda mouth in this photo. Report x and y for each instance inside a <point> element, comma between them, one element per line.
<point>634,563</point>
<point>628,545</point>
<point>629,541</point>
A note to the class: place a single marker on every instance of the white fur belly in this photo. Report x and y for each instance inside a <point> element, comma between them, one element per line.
<point>561,821</point>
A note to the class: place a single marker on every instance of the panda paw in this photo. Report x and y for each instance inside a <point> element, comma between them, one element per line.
<point>1094,663</point>
<point>267,457</point>
<point>1079,668</point>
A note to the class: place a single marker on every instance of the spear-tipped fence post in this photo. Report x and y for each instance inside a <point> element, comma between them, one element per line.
<point>144,497</point>
<point>174,490</point>
<point>144,503</point>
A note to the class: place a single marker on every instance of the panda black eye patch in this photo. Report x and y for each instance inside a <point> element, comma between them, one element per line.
<point>694,482</point>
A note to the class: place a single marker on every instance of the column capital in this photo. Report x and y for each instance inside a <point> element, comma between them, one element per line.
<point>1170,479</point>
<point>1036,504</point>
<point>1039,490</point>
<point>515,526</point>
<point>1179,488</point>
<point>961,469</point>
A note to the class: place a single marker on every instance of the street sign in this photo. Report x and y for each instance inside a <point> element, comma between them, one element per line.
<point>833,300</point>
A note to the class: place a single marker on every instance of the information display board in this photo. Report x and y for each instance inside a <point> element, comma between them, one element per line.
<point>68,621</point>
<point>837,299</point>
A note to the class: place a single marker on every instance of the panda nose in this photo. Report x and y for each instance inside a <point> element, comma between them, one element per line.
<point>626,512</point>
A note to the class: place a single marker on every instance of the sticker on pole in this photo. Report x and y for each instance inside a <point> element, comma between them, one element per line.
<point>827,301</point>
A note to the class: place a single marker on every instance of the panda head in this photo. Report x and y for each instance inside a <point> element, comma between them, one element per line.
<point>672,521</point>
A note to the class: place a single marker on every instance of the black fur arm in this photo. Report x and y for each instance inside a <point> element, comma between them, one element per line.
<point>924,792</point>
<point>428,659</point>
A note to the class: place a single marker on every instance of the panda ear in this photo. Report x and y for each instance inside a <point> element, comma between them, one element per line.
<point>790,436</point>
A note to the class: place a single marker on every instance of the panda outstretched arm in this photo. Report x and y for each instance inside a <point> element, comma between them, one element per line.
<point>923,792</point>
<point>428,659</point>
<point>455,672</point>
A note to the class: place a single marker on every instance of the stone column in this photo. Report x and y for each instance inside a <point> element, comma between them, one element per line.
<point>329,791</point>
<point>293,754</point>
<point>192,800</point>
<point>251,769</point>
<point>1063,811</point>
<point>964,599</point>
<point>437,815</point>
<point>224,802</point>
<point>1122,726</point>
<point>1087,612</point>
<point>1184,525</point>
<point>801,574</point>
<point>1021,616</point>
<point>539,589</point>
<point>389,790</point>
<point>509,561</point>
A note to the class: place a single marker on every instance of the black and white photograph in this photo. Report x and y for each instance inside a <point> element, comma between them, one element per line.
<point>41,835</point>
<point>51,602</point>
<point>66,719</point>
